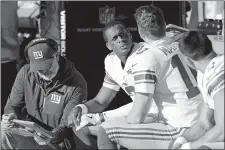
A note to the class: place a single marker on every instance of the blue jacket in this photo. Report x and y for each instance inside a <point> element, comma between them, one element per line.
<point>47,105</point>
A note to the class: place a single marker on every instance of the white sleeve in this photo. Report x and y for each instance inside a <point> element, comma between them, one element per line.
<point>110,83</point>
<point>119,112</point>
<point>145,71</point>
<point>108,79</point>
<point>216,82</point>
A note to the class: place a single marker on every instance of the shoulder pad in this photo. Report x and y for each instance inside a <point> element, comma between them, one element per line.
<point>169,49</point>
<point>141,48</point>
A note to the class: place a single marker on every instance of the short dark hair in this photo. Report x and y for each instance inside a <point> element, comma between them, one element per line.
<point>195,45</point>
<point>111,24</point>
<point>187,6</point>
<point>150,19</point>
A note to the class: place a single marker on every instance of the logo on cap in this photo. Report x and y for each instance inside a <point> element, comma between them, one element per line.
<point>38,55</point>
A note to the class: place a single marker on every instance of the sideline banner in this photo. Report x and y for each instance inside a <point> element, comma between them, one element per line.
<point>62,28</point>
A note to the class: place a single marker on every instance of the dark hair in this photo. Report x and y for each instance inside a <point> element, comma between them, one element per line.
<point>195,45</point>
<point>150,19</point>
<point>112,24</point>
<point>187,6</point>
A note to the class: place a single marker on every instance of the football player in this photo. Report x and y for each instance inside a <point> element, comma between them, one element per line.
<point>160,72</point>
<point>118,68</point>
<point>209,130</point>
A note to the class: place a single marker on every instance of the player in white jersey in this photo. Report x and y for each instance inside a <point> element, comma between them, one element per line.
<point>163,75</point>
<point>118,65</point>
<point>209,130</point>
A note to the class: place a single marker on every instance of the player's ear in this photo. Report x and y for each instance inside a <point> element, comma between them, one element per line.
<point>142,35</point>
<point>130,35</point>
<point>57,55</point>
<point>108,46</point>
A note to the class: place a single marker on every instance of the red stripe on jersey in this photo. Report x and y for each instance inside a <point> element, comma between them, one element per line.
<point>145,71</point>
<point>216,83</point>
<point>145,77</point>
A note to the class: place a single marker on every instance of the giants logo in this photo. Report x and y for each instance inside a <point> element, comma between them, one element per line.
<point>38,55</point>
<point>55,98</point>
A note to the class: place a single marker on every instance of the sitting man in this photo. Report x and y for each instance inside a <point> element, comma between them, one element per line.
<point>209,130</point>
<point>153,70</point>
<point>118,75</point>
<point>44,92</point>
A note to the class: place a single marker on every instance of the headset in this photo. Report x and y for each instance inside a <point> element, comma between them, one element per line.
<point>50,42</point>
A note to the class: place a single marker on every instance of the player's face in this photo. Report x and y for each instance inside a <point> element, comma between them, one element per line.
<point>119,40</point>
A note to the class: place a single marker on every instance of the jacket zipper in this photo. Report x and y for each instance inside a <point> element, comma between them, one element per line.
<point>44,96</point>
<point>44,103</point>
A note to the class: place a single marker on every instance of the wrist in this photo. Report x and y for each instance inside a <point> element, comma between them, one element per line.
<point>83,108</point>
<point>181,140</point>
<point>102,118</point>
<point>99,118</point>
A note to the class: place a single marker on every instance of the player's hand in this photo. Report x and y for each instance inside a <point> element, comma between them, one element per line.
<point>7,121</point>
<point>41,140</point>
<point>74,117</point>
<point>177,144</point>
<point>89,120</point>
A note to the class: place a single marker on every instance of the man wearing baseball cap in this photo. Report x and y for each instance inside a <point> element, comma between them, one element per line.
<point>44,92</point>
<point>43,60</point>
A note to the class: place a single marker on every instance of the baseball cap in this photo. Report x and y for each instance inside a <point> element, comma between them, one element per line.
<point>40,56</point>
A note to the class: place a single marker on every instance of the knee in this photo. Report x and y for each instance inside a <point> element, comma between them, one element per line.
<point>84,131</point>
<point>214,145</point>
<point>204,147</point>
<point>101,131</point>
<point>103,141</point>
<point>101,134</point>
<point>83,139</point>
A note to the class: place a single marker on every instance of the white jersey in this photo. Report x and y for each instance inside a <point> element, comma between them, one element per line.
<point>212,81</point>
<point>176,91</point>
<point>131,78</point>
<point>158,69</point>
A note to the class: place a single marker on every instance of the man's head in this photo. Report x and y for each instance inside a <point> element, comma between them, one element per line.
<point>150,21</point>
<point>43,57</point>
<point>196,46</point>
<point>117,38</point>
<point>188,11</point>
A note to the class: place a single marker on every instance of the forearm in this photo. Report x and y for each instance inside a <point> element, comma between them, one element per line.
<point>213,135</point>
<point>135,118</point>
<point>10,108</point>
<point>16,100</point>
<point>94,106</point>
<point>119,112</point>
<point>140,108</point>
<point>203,124</point>
<point>195,132</point>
